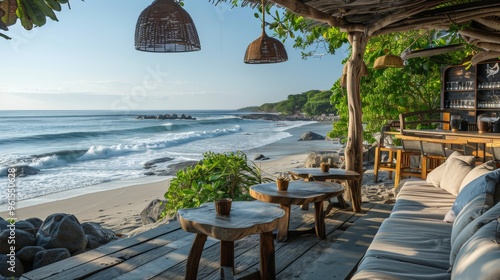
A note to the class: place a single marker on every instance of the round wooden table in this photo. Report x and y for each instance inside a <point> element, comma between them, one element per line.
<point>353,191</point>
<point>298,193</point>
<point>246,218</point>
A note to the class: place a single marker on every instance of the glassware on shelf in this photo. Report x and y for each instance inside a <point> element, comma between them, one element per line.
<point>455,121</point>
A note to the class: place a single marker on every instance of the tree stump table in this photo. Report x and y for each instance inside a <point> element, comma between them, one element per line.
<point>246,218</point>
<point>298,193</point>
<point>352,193</point>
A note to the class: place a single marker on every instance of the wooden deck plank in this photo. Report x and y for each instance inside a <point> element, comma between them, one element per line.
<point>340,259</point>
<point>90,268</point>
<point>155,267</point>
<point>100,253</point>
<point>164,245</point>
<point>246,252</point>
<point>288,252</point>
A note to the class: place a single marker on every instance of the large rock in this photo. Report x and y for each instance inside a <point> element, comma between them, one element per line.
<point>25,170</point>
<point>92,242</point>
<point>61,231</point>
<point>102,235</point>
<point>3,224</point>
<point>172,169</point>
<point>47,257</point>
<point>27,256</point>
<point>153,162</point>
<point>311,136</point>
<point>26,226</point>
<point>10,266</point>
<point>152,212</point>
<point>22,239</point>
<point>261,157</point>
<point>316,158</point>
<point>36,222</point>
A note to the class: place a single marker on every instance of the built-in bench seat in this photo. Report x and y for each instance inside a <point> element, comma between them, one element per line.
<point>445,227</point>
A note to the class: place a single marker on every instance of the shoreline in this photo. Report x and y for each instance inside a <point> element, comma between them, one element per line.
<point>117,205</point>
<point>119,209</point>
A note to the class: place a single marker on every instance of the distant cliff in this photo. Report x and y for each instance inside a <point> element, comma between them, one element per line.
<point>310,103</point>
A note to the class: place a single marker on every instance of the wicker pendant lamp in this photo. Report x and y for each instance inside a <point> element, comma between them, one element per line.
<point>388,61</point>
<point>165,26</point>
<point>265,49</point>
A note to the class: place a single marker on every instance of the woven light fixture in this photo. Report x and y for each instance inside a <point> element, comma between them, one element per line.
<point>265,49</point>
<point>388,61</point>
<point>165,26</point>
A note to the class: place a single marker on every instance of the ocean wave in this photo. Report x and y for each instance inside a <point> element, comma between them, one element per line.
<point>61,158</point>
<point>90,134</point>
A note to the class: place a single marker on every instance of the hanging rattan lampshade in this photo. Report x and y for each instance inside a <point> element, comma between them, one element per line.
<point>265,49</point>
<point>388,61</point>
<point>165,26</point>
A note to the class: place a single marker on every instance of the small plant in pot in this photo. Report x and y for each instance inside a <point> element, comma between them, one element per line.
<point>222,198</point>
<point>282,182</point>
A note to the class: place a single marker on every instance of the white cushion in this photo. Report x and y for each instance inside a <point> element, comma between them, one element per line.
<point>479,257</point>
<point>469,230</point>
<point>478,171</point>
<point>434,177</point>
<point>454,173</point>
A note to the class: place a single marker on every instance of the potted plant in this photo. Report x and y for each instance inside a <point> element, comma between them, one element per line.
<point>223,194</point>
<point>282,182</point>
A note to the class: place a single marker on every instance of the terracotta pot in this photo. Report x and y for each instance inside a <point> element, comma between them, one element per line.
<point>324,167</point>
<point>282,184</point>
<point>223,206</point>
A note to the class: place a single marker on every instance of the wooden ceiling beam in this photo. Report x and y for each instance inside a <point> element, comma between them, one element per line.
<point>439,21</point>
<point>306,11</point>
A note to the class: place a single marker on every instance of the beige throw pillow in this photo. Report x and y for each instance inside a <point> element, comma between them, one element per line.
<point>478,171</point>
<point>454,173</point>
<point>434,177</point>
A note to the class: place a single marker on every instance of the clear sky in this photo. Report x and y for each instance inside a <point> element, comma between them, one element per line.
<point>87,61</point>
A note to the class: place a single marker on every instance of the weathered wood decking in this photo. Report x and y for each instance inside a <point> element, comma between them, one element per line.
<point>161,253</point>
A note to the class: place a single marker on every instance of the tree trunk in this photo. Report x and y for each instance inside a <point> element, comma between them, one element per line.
<point>354,147</point>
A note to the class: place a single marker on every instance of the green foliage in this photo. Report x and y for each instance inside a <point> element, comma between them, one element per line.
<point>29,12</point>
<point>312,103</point>
<point>388,92</point>
<point>217,175</point>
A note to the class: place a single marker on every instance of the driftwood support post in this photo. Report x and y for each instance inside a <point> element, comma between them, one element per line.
<point>354,147</point>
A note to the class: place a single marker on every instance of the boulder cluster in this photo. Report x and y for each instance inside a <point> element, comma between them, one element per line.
<point>33,243</point>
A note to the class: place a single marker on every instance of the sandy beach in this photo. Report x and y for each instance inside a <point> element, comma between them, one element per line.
<point>119,209</point>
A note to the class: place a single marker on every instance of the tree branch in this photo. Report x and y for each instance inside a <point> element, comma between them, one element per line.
<point>483,56</point>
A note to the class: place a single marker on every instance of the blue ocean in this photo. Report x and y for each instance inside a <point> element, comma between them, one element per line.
<point>77,149</point>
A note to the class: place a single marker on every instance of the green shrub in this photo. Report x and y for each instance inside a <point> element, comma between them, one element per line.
<point>217,175</point>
